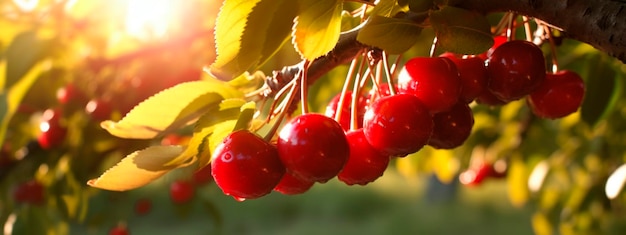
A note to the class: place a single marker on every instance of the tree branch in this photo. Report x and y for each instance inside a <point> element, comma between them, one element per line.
<point>600,23</point>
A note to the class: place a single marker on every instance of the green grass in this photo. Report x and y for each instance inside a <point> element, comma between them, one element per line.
<point>391,205</point>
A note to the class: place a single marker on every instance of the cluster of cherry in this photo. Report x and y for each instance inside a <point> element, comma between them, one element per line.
<point>429,105</point>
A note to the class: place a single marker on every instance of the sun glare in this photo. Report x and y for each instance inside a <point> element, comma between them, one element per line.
<point>147,19</point>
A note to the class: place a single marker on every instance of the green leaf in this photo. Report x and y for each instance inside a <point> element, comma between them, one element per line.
<point>248,33</point>
<point>461,31</point>
<point>138,169</point>
<point>317,27</point>
<point>171,109</point>
<point>22,54</point>
<point>11,99</point>
<point>227,110</point>
<point>602,88</point>
<point>394,35</point>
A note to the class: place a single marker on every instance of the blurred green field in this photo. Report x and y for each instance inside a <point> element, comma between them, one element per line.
<point>392,205</point>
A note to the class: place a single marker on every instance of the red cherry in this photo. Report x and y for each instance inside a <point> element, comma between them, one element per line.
<point>99,110</point>
<point>397,125</point>
<point>515,69</point>
<point>119,230</point>
<point>472,74</point>
<point>70,93</point>
<point>376,93</point>
<point>203,175</point>
<point>181,191</point>
<point>435,81</point>
<point>30,192</point>
<point>451,128</point>
<point>561,94</point>
<point>365,163</point>
<point>291,185</point>
<point>245,166</point>
<point>488,98</point>
<point>52,133</point>
<point>497,41</point>
<point>475,176</point>
<point>143,206</point>
<point>346,112</point>
<point>313,147</point>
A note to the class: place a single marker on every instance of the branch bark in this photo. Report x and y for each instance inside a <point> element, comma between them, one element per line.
<point>600,23</point>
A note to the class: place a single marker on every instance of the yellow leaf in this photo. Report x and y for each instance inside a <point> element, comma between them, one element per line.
<point>446,165</point>
<point>541,224</point>
<point>170,109</point>
<point>138,169</point>
<point>317,27</point>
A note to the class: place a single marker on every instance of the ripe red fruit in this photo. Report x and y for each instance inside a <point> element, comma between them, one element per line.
<point>488,98</point>
<point>397,125</point>
<point>245,166</point>
<point>346,112</point>
<point>559,95</point>
<point>435,81</point>
<point>451,128</point>
<point>30,192</point>
<point>475,176</point>
<point>203,175</point>
<point>143,206</point>
<point>515,69</point>
<point>472,74</point>
<point>181,191</point>
<point>365,163</point>
<point>290,185</point>
<point>99,110</point>
<point>119,230</point>
<point>313,147</point>
<point>497,41</point>
<point>52,133</point>
<point>70,93</point>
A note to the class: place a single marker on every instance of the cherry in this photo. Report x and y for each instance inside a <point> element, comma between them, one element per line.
<point>376,93</point>
<point>346,114</point>
<point>245,166</point>
<point>99,110</point>
<point>515,69</point>
<point>143,206</point>
<point>203,175</point>
<point>313,147</point>
<point>497,41</point>
<point>52,133</point>
<point>291,185</point>
<point>397,125</point>
<point>472,74</point>
<point>181,191</point>
<point>475,176</point>
<point>365,163</point>
<point>30,192</point>
<point>451,128</point>
<point>559,95</point>
<point>119,230</point>
<point>70,93</point>
<point>435,81</point>
<point>488,98</point>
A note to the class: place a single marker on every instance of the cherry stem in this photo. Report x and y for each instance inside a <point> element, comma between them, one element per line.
<point>433,48</point>
<point>392,89</point>
<point>354,102</point>
<point>527,30</point>
<point>283,108</point>
<point>344,89</point>
<point>509,27</point>
<point>304,99</point>
<point>555,62</point>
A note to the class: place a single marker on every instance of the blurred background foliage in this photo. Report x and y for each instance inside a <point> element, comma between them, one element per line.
<point>550,175</point>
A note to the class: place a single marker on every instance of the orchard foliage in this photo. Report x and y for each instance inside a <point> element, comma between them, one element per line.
<point>259,71</point>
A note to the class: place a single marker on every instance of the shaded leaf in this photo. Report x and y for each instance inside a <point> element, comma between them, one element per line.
<point>317,27</point>
<point>138,169</point>
<point>21,55</point>
<point>461,31</point>
<point>247,33</point>
<point>226,110</point>
<point>388,8</point>
<point>394,35</point>
<point>170,109</point>
<point>602,88</point>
